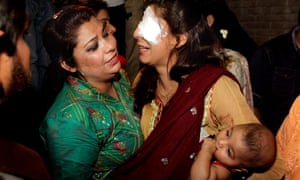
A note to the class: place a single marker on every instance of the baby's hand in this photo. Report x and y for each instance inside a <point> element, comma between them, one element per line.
<point>209,145</point>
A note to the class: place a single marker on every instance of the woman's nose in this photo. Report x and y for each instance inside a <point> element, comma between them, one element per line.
<point>112,28</point>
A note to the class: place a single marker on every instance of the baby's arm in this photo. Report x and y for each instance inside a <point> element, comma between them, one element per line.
<point>203,169</point>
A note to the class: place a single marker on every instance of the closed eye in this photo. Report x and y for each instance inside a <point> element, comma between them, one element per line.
<point>93,48</point>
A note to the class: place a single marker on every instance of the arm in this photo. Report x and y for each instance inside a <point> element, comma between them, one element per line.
<point>73,147</point>
<point>296,174</point>
<point>229,106</point>
<point>203,169</point>
<point>225,106</point>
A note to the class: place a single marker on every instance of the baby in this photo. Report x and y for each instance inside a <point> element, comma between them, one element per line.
<point>242,148</point>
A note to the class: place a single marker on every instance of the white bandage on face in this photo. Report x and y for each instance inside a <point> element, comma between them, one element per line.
<point>150,28</point>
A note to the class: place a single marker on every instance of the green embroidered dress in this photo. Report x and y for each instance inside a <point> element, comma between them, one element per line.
<point>88,133</point>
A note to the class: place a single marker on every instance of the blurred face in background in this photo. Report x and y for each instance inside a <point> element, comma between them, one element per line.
<point>15,70</point>
<point>103,17</point>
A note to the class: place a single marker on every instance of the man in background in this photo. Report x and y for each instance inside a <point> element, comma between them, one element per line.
<point>17,158</point>
<point>275,76</point>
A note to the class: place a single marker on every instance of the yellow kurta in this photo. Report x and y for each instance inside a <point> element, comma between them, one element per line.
<point>225,105</point>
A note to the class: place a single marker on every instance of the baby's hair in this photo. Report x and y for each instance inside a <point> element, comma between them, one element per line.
<point>261,147</point>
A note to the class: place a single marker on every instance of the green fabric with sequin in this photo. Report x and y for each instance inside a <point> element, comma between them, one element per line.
<point>88,133</point>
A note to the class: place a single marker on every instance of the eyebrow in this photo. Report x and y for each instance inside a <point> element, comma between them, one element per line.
<point>103,19</point>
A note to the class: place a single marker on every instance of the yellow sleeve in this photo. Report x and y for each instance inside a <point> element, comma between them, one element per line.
<point>226,107</point>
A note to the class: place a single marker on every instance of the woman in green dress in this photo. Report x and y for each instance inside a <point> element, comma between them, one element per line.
<point>90,127</point>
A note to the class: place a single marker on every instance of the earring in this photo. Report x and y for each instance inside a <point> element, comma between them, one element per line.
<point>224,33</point>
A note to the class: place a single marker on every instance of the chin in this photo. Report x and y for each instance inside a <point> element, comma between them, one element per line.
<point>117,67</point>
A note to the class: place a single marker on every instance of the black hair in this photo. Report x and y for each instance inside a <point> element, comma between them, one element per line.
<point>226,20</point>
<point>261,147</point>
<point>96,5</point>
<point>13,19</point>
<point>60,39</point>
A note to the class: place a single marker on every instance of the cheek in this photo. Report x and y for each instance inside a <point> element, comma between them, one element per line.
<point>220,154</point>
<point>23,53</point>
<point>6,67</point>
<point>112,41</point>
<point>94,59</point>
<point>84,58</point>
<point>135,33</point>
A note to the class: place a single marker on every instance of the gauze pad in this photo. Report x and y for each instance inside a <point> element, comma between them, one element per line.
<point>149,28</point>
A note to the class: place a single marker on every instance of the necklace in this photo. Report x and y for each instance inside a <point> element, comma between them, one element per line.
<point>165,95</point>
<point>165,98</point>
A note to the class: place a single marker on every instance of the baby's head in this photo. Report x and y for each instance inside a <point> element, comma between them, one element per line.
<point>250,146</point>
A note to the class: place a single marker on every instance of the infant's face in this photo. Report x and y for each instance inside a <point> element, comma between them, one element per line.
<point>230,146</point>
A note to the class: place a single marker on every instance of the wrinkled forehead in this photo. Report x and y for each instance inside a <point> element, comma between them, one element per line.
<point>88,31</point>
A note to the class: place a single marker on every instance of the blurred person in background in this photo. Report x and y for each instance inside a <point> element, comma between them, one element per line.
<point>228,29</point>
<point>18,138</point>
<point>275,77</point>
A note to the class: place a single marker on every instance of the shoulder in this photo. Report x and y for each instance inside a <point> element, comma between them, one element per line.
<point>296,105</point>
<point>14,152</point>
<point>278,41</point>
<point>226,82</point>
<point>72,113</point>
<point>235,56</point>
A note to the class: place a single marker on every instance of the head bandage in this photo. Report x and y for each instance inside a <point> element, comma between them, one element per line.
<point>150,28</point>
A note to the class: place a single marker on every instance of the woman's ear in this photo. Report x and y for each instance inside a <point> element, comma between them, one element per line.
<point>182,40</point>
<point>65,66</point>
<point>210,20</point>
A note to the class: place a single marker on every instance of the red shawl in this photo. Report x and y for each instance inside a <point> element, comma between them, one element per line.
<point>169,151</point>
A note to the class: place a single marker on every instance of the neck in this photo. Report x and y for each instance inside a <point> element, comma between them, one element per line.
<point>166,88</point>
<point>106,87</point>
